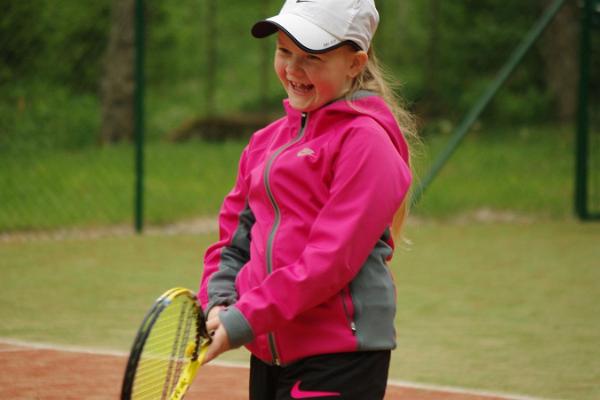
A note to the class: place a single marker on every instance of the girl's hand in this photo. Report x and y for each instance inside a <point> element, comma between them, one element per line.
<point>220,340</point>
<point>213,313</point>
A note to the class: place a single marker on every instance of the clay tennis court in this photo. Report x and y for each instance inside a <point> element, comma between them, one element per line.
<point>43,373</point>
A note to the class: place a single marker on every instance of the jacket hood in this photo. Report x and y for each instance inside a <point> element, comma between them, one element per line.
<point>363,103</point>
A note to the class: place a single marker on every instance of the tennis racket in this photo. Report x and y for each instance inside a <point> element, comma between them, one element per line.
<point>168,349</point>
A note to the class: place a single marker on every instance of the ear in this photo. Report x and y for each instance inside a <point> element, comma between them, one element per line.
<point>358,62</point>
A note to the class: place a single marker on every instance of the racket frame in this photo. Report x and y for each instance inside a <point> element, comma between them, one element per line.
<point>202,341</point>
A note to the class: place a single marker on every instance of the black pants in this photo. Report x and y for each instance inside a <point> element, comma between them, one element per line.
<point>347,376</point>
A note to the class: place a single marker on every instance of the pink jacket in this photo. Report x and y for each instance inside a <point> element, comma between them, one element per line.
<point>304,234</point>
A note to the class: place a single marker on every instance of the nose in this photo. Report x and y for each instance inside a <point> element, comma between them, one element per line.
<point>293,66</point>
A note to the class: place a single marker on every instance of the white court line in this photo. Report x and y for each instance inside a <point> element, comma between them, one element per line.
<point>67,349</point>
<point>232,364</point>
<point>19,350</point>
<point>28,346</point>
<point>457,390</point>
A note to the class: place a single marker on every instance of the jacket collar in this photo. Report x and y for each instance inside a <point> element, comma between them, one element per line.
<point>295,115</point>
<point>363,103</point>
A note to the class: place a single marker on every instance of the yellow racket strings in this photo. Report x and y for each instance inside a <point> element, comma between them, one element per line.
<point>164,355</point>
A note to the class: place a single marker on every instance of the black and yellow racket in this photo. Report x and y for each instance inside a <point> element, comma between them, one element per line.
<point>168,349</point>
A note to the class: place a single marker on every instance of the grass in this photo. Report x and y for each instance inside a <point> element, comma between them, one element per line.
<point>501,306</point>
<point>510,307</point>
<point>94,187</point>
<point>88,292</point>
<point>490,305</point>
<point>522,171</point>
<point>527,170</point>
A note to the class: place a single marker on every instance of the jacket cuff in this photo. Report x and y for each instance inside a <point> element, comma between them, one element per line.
<point>237,327</point>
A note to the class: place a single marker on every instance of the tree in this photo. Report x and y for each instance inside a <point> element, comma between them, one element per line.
<point>431,90</point>
<point>117,87</point>
<point>559,50</point>
<point>212,54</point>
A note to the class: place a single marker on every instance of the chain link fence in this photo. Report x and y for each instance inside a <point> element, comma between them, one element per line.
<point>208,85</point>
<point>50,119</point>
<point>57,169</point>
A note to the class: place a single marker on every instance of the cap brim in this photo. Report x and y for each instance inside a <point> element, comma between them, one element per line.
<point>306,35</point>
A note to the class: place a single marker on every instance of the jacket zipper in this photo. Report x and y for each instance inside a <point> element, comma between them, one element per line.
<point>270,240</point>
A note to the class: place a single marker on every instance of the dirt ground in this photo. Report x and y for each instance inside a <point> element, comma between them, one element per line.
<point>44,374</point>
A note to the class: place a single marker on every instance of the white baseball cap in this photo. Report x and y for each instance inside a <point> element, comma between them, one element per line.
<point>317,26</point>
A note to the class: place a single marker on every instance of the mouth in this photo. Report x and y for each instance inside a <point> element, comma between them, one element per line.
<point>300,87</point>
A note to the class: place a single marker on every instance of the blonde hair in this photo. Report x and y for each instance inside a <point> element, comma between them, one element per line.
<point>375,78</point>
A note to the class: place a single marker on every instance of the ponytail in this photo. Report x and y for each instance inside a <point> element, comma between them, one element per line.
<point>374,78</point>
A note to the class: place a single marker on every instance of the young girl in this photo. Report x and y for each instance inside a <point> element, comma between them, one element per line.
<point>299,275</point>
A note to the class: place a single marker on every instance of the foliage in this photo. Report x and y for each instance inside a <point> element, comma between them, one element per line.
<point>459,50</point>
<point>443,53</point>
<point>62,42</point>
<point>38,115</point>
<point>25,41</point>
<point>441,74</point>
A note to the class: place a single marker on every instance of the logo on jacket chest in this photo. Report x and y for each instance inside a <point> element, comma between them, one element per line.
<point>305,152</point>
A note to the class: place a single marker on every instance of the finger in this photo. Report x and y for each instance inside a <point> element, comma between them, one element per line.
<point>212,325</point>
<point>219,344</point>
<point>210,355</point>
<point>212,352</point>
<point>214,312</point>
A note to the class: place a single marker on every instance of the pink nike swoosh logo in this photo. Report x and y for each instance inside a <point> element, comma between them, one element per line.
<point>297,393</point>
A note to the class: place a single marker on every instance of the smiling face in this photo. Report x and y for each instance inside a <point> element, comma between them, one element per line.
<point>313,80</point>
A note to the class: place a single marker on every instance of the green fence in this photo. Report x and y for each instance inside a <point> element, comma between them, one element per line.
<point>208,83</point>
<point>57,172</point>
<point>50,118</point>
<point>587,167</point>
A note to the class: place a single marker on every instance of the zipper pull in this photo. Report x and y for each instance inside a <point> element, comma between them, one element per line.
<point>303,120</point>
<point>353,328</point>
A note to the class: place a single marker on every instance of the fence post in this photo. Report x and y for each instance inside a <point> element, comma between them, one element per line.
<point>139,116</point>
<point>581,141</point>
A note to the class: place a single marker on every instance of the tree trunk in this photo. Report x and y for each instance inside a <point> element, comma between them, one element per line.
<point>212,53</point>
<point>433,51</point>
<point>117,88</point>
<point>266,63</point>
<point>559,49</point>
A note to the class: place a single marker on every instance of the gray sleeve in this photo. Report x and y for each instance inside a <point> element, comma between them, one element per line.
<point>238,330</point>
<point>221,286</point>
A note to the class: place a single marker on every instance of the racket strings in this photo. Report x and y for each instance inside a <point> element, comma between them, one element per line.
<point>179,347</point>
<point>174,352</point>
<point>155,376</point>
<point>164,355</point>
